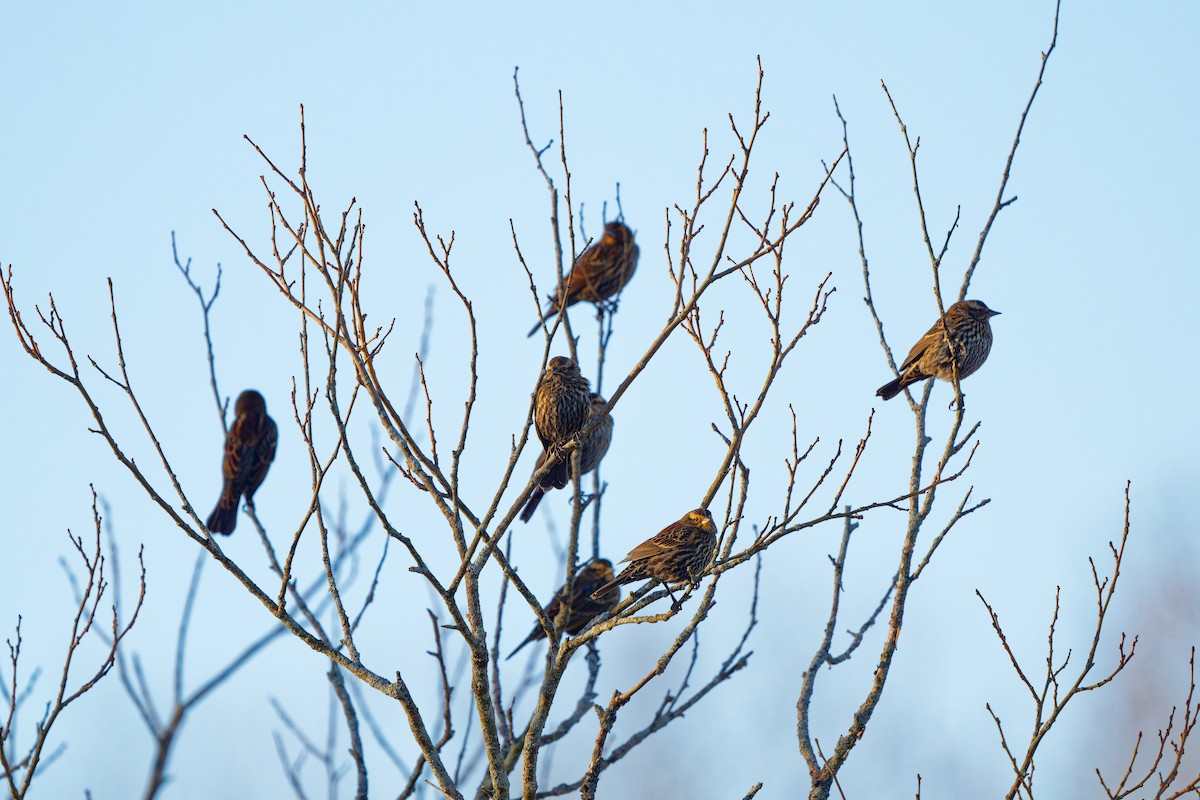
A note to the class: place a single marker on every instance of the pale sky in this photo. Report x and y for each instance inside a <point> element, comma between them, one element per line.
<point>125,125</point>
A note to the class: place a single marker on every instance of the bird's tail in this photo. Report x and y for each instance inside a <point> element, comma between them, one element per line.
<point>560,474</point>
<point>893,388</point>
<point>531,637</point>
<point>531,505</point>
<point>557,477</point>
<point>606,588</point>
<point>223,519</point>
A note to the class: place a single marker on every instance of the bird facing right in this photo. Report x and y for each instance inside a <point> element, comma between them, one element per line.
<point>581,608</point>
<point>560,409</point>
<point>600,272</point>
<point>677,553</point>
<point>249,451</point>
<point>968,326</point>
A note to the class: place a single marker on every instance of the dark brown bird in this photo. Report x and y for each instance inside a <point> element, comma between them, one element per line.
<point>249,450</point>
<point>559,411</point>
<point>600,272</point>
<point>592,450</point>
<point>970,333</point>
<point>581,608</point>
<point>677,553</point>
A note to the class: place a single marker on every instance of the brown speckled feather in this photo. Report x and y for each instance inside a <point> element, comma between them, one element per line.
<point>249,450</point>
<point>560,411</point>
<point>600,272</point>
<point>970,336</point>
<point>592,451</point>
<point>677,553</point>
<point>582,607</point>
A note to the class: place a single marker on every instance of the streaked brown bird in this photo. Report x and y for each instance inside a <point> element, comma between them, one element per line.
<point>592,450</point>
<point>676,554</point>
<point>970,333</point>
<point>600,272</point>
<point>581,607</point>
<point>249,450</point>
<point>559,411</point>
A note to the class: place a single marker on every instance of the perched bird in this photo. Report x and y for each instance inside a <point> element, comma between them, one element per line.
<point>249,450</point>
<point>581,607</point>
<point>560,410</point>
<point>592,450</point>
<point>677,553</point>
<point>600,272</point>
<point>970,332</point>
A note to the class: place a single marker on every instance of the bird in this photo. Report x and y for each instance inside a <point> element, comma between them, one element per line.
<point>249,451</point>
<point>560,410</point>
<point>600,272</point>
<point>592,450</point>
<point>582,608</point>
<point>970,331</point>
<point>677,553</point>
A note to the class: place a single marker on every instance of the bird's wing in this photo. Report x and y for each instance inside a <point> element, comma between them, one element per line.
<point>538,404</point>
<point>233,466</point>
<point>666,539</point>
<point>932,338</point>
<point>586,582</point>
<point>263,455</point>
<point>551,608</point>
<point>541,459</point>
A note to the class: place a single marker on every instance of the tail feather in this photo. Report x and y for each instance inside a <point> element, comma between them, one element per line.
<point>223,519</point>
<point>531,505</point>
<point>559,475</point>
<point>606,588</point>
<point>894,387</point>
<point>530,638</point>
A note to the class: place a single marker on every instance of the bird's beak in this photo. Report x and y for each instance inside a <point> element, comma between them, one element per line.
<point>993,312</point>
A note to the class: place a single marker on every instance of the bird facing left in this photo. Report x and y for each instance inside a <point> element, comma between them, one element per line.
<point>249,451</point>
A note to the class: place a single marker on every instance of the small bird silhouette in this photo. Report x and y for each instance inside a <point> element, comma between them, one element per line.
<point>970,332</point>
<point>676,554</point>
<point>249,451</point>
<point>581,607</point>
<point>560,410</point>
<point>600,272</point>
<point>591,451</point>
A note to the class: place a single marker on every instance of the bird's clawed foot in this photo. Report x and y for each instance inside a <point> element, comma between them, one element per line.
<point>585,499</point>
<point>558,454</point>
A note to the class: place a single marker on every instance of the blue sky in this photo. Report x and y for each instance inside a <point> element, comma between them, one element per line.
<point>124,125</point>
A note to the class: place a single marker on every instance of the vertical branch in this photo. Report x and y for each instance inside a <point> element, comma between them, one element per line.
<point>356,750</point>
<point>1053,691</point>
<point>205,312</point>
<point>20,774</point>
<point>1000,201</point>
<point>824,771</point>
